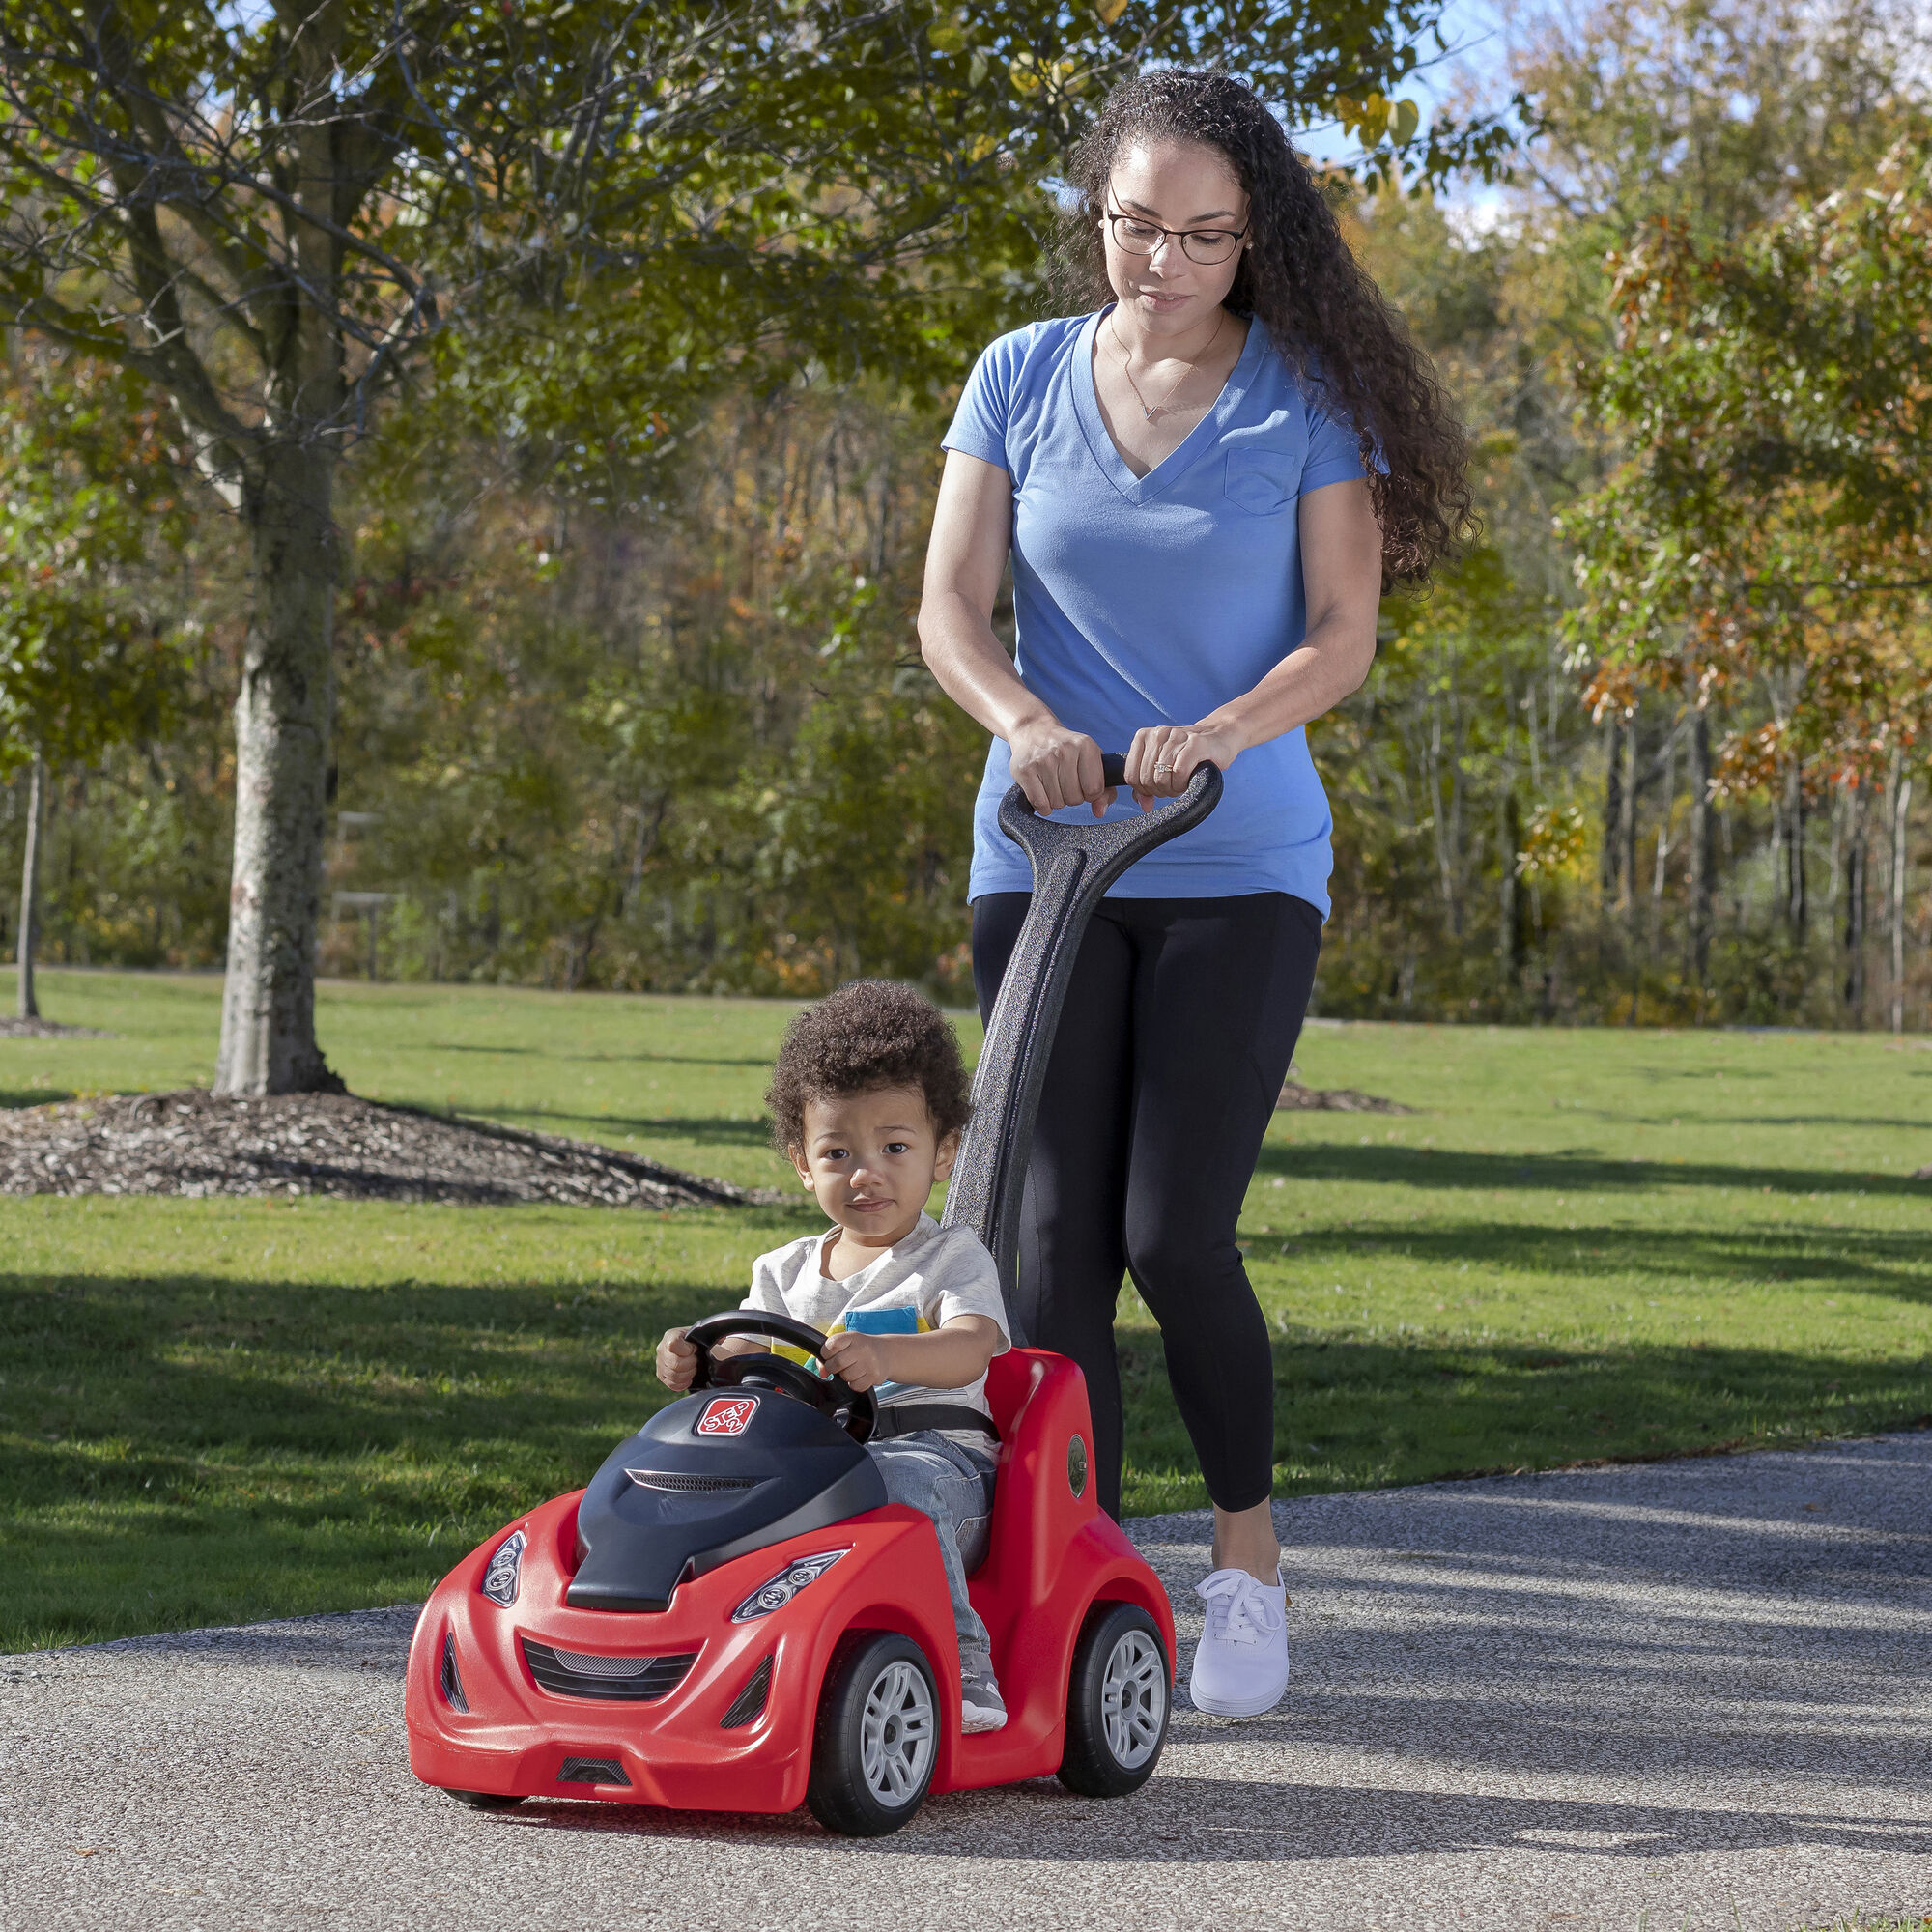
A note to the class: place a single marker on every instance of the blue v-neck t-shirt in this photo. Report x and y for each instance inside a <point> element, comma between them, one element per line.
<point>1152,600</point>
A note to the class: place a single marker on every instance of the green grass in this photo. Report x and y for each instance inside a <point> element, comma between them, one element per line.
<point>1583,1244</point>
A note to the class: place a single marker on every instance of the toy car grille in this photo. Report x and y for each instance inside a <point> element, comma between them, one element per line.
<point>751,1700</point>
<point>676,1481</point>
<point>591,1771</point>
<point>575,1673</point>
<point>452,1684</point>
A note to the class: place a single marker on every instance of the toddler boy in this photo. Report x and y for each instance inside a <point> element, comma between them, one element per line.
<point>869,1102</point>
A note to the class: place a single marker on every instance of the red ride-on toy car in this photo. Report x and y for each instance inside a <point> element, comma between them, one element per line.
<point>732,1618</point>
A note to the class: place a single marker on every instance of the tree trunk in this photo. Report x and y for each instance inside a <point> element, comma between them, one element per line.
<point>281,754</point>
<point>1660,869</point>
<point>1514,938</point>
<point>1609,866</point>
<point>1627,820</point>
<point>1901,804</point>
<point>30,885</point>
<point>1790,850</point>
<point>1855,908</point>
<point>1703,849</point>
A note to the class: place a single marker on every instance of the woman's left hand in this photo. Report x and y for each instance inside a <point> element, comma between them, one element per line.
<point>1162,757</point>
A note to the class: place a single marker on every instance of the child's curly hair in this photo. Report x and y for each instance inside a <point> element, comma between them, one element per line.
<point>867,1034</point>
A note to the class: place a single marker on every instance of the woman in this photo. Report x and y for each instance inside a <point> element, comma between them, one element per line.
<point>1203,484</point>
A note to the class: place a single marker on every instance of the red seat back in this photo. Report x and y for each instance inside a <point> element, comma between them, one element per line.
<point>1040,1401</point>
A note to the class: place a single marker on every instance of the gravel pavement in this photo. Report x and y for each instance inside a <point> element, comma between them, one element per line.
<point>1693,1693</point>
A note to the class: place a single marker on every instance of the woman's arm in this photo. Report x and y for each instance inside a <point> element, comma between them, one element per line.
<point>1342,575</point>
<point>972,532</point>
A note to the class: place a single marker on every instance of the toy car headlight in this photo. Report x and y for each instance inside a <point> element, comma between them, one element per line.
<point>499,1580</point>
<point>785,1586</point>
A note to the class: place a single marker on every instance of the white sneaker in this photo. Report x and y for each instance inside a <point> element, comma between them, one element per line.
<point>1240,1665</point>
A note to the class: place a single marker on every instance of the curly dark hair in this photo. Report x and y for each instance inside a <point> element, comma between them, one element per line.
<point>1325,315</point>
<point>867,1034</point>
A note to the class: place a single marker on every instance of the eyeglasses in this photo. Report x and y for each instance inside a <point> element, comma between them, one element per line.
<point>1203,246</point>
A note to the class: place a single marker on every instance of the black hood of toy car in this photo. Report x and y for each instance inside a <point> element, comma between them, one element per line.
<point>711,1477</point>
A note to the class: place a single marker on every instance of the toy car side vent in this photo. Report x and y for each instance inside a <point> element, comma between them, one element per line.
<point>452,1684</point>
<point>751,1700</point>
<point>573,1673</point>
<point>679,1484</point>
<point>591,1771</point>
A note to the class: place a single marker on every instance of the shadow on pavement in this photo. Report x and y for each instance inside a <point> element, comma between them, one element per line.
<point>1213,1820</point>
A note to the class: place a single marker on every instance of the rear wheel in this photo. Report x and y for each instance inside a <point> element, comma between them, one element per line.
<point>877,1736</point>
<point>485,1801</point>
<point>1117,1703</point>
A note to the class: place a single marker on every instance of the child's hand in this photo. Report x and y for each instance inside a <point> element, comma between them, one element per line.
<point>677,1360</point>
<point>855,1359</point>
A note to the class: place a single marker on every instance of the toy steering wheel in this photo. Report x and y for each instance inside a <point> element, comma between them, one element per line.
<point>852,1409</point>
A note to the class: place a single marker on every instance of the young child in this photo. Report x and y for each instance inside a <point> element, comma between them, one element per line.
<point>869,1102</point>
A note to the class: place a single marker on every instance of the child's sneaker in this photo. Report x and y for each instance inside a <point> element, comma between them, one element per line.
<point>981,1707</point>
<point>1240,1665</point>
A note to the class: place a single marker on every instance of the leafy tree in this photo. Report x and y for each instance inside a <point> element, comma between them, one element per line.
<point>1720,113</point>
<point>87,658</point>
<point>1771,529</point>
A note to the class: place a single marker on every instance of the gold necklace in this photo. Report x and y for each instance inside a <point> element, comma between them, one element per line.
<point>1149,410</point>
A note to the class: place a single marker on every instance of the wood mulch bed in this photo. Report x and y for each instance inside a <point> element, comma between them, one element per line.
<point>1298,1098</point>
<point>18,1029</point>
<point>191,1144</point>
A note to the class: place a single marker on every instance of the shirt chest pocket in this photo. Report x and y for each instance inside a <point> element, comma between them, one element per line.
<point>1264,482</point>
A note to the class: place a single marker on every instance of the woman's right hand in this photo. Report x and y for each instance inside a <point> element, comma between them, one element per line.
<point>1055,768</point>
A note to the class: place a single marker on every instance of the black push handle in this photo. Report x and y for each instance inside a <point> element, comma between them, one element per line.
<point>1072,867</point>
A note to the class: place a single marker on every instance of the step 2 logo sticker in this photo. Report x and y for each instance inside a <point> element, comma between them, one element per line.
<point>728,1416</point>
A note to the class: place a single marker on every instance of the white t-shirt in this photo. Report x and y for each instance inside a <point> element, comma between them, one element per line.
<point>933,1275</point>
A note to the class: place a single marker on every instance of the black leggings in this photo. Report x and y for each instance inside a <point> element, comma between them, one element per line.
<point>1177,1031</point>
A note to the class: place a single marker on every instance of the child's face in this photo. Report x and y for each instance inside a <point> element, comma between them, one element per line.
<point>872,1160</point>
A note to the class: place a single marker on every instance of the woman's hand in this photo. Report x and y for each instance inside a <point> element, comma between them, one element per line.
<point>1056,767</point>
<point>1163,757</point>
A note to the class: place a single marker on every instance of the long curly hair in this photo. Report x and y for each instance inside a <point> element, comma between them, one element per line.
<point>1324,314</point>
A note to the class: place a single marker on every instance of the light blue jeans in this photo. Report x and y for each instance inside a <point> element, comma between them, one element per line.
<point>954,1485</point>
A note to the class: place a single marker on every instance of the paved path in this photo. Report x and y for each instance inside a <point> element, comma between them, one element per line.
<point>1687,1695</point>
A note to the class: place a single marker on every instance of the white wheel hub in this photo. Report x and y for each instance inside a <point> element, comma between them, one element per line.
<point>896,1734</point>
<point>1133,1699</point>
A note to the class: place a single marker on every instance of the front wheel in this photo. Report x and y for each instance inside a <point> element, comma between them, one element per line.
<point>485,1801</point>
<point>877,1736</point>
<point>1117,1703</point>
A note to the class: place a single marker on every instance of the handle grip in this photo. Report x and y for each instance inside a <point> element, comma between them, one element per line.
<point>1113,843</point>
<point>1114,773</point>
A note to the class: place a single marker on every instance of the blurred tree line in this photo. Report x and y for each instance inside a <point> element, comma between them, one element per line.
<point>1647,754</point>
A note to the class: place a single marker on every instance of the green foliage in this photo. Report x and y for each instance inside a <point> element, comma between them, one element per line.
<point>89,655</point>
<point>691,751</point>
<point>619,204</point>
<point>1772,525</point>
<point>1715,114</point>
<point>1452,778</point>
